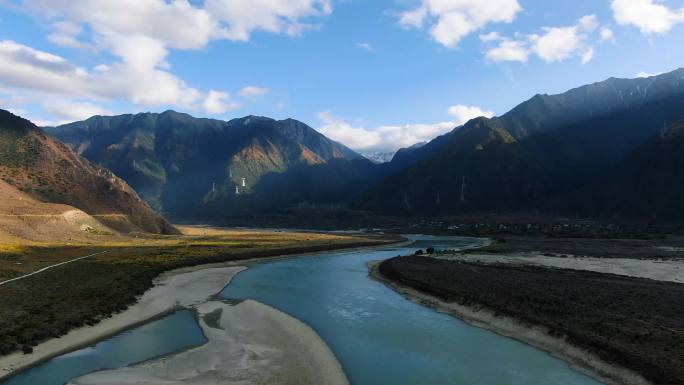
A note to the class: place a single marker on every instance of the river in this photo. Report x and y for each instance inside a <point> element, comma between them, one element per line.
<point>378,336</point>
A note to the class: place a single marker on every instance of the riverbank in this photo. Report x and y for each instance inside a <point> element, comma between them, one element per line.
<point>529,333</point>
<point>248,343</point>
<point>181,287</point>
<point>45,306</point>
<point>172,290</point>
<point>249,336</point>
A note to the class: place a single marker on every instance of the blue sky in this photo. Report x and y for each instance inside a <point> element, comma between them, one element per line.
<point>374,74</point>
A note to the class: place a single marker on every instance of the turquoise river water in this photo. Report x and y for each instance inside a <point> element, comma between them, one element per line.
<point>378,336</point>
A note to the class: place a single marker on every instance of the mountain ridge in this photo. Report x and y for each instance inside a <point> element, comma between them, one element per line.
<point>563,148</point>
<point>535,156</point>
<point>543,112</point>
<point>186,165</point>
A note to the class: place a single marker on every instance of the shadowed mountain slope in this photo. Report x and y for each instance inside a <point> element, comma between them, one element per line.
<point>536,155</point>
<point>577,107</point>
<point>648,184</point>
<point>204,168</point>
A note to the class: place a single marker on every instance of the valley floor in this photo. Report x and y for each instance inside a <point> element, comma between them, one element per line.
<point>622,329</point>
<point>96,291</point>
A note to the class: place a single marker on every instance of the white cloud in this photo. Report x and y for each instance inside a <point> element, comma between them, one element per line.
<point>179,24</point>
<point>219,102</point>
<point>66,35</point>
<point>491,36</point>
<point>644,74</point>
<point>253,91</point>
<point>452,20</point>
<point>588,55</point>
<point>555,44</point>
<point>413,18</point>
<point>62,110</point>
<point>366,46</point>
<point>241,18</point>
<point>607,35</point>
<point>70,111</point>
<point>390,138</point>
<point>464,113</point>
<point>355,137</point>
<point>509,50</point>
<point>25,68</point>
<point>587,23</point>
<point>140,35</point>
<point>648,15</point>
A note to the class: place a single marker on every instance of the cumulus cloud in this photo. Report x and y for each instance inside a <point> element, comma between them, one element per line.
<point>69,111</point>
<point>179,24</point>
<point>452,20</point>
<point>390,138</point>
<point>557,44</point>
<point>219,102</point>
<point>587,55</point>
<point>464,113</point>
<point>491,36</point>
<point>607,35</point>
<point>26,68</point>
<point>140,35</point>
<point>644,74</point>
<point>253,91</point>
<point>509,50</point>
<point>648,15</point>
<point>239,18</point>
<point>554,44</point>
<point>66,35</point>
<point>338,129</point>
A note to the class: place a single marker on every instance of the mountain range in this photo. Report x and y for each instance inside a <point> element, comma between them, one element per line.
<point>543,154</point>
<point>605,150</point>
<point>192,168</point>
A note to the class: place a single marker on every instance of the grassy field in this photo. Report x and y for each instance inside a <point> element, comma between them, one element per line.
<point>196,243</point>
<point>49,304</point>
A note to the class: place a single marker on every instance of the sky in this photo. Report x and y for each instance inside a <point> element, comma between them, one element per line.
<point>376,75</point>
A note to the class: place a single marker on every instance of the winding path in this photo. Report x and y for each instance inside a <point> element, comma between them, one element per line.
<point>51,266</point>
